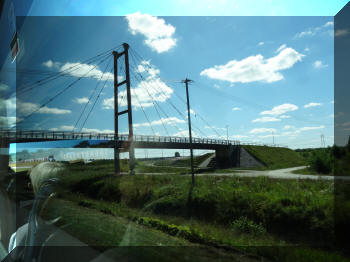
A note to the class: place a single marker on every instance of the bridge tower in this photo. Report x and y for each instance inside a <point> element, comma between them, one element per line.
<point>130,145</point>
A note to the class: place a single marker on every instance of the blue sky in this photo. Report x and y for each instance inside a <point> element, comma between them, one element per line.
<point>264,77</point>
<point>189,7</point>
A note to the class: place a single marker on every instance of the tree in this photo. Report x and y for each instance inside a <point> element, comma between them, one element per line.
<point>177,154</point>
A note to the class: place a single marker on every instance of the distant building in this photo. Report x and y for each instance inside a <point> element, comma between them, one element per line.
<point>51,158</point>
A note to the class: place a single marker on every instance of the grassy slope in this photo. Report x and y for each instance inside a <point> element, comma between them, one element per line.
<point>183,162</point>
<point>276,157</point>
<point>106,231</point>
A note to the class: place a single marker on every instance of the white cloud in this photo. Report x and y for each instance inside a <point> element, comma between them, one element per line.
<point>307,128</point>
<point>281,109</point>
<point>81,100</point>
<point>307,49</point>
<point>158,34</point>
<point>239,136</point>
<point>149,89</point>
<point>341,32</point>
<point>288,127</point>
<point>77,69</point>
<point>236,109</point>
<point>50,64</point>
<point>184,133</point>
<point>261,43</point>
<point>87,130</point>
<point>216,128</point>
<point>284,116</point>
<point>216,86</point>
<point>8,121</point>
<point>316,30</point>
<point>329,23</point>
<point>255,68</point>
<point>319,64</point>
<point>312,104</point>
<point>262,130</point>
<point>267,136</point>
<point>266,119</point>
<point>166,121</point>
<point>284,46</point>
<point>26,108</point>
<point>332,102</point>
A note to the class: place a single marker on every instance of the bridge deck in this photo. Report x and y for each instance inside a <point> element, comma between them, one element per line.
<point>107,139</point>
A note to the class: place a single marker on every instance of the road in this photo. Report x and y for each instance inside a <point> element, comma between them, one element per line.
<point>285,173</point>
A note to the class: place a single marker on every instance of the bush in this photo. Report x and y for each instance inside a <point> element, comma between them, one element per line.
<point>244,225</point>
<point>321,161</point>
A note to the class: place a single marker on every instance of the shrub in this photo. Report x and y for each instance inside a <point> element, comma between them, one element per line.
<point>244,225</point>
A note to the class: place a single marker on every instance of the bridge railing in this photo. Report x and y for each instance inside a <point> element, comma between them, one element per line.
<point>66,135</point>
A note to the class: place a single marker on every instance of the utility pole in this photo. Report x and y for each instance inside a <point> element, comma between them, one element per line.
<point>116,55</point>
<point>186,81</point>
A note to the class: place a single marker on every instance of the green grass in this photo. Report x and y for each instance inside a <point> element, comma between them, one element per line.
<point>297,209</point>
<point>276,157</point>
<point>105,231</point>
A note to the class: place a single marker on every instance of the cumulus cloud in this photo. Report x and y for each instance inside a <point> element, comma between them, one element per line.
<point>239,136</point>
<point>51,64</point>
<point>319,64</point>
<point>166,121</point>
<point>261,43</point>
<point>87,130</point>
<point>262,130</point>
<point>325,28</point>
<point>236,109</point>
<point>81,100</point>
<point>284,46</point>
<point>184,133</point>
<point>312,104</point>
<point>149,89</point>
<point>78,69</point>
<point>8,121</point>
<point>26,108</point>
<point>280,110</point>
<point>266,119</point>
<point>307,128</point>
<point>255,68</point>
<point>284,116</point>
<point>158,34</point>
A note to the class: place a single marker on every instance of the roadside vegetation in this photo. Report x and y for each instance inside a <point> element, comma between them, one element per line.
<point>333,160</point>
<point>247,214</point>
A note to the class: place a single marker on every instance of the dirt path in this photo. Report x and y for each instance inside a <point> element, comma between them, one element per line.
<point>285,173</point>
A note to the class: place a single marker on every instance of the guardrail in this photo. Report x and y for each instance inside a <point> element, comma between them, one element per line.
<point>64,135</point>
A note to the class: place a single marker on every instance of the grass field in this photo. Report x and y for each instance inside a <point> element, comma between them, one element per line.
<point>276,157</point>
<point>244,213</point>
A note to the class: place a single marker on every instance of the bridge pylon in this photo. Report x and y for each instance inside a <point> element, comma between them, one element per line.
<point>116,55</point>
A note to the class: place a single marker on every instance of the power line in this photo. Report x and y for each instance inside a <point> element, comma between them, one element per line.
<point>167,98</point>
<point>94,103</point>
<point>92,94</point>
<point>54,77</point>
<point>58,94</point>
